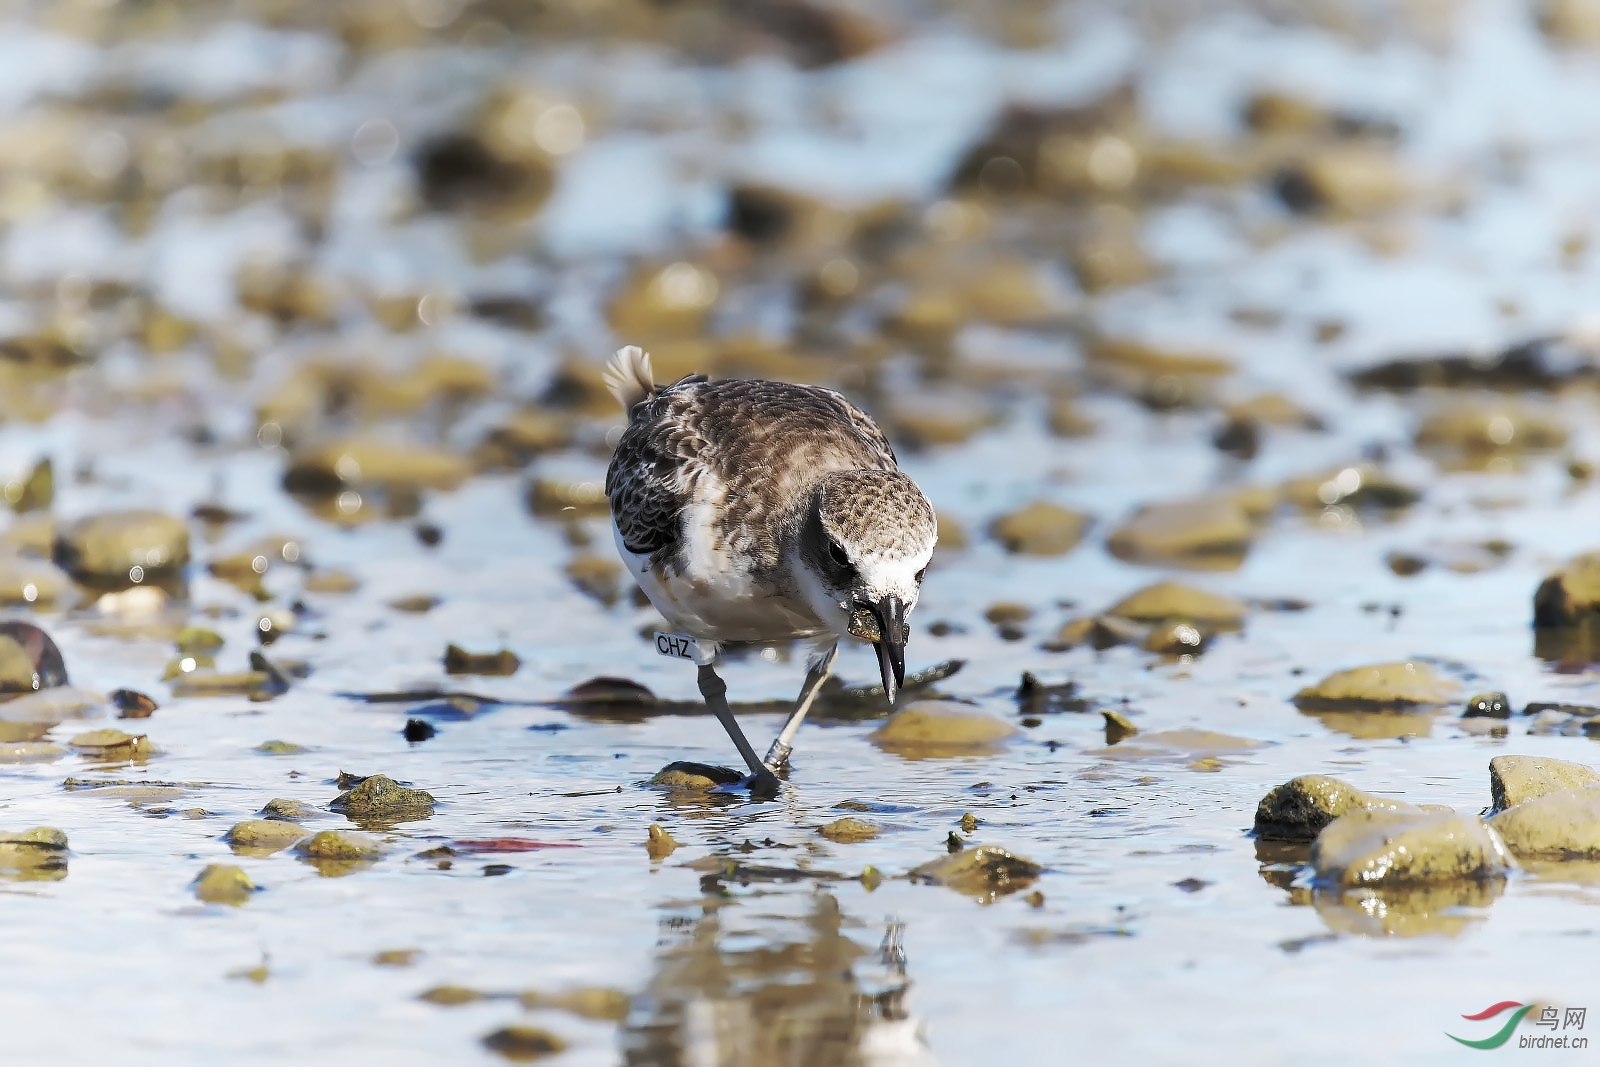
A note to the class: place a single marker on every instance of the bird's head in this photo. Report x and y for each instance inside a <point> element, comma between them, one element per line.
<point>863,549</point>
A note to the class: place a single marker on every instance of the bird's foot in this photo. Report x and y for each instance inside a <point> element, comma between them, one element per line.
<point>763,785</point>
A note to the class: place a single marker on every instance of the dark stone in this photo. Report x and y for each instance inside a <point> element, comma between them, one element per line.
<point>417,730</point>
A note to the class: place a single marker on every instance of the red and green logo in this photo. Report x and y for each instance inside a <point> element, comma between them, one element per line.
<point>1503,1035</point>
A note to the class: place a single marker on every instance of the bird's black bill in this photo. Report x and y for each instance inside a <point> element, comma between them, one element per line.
<point>891,616</point>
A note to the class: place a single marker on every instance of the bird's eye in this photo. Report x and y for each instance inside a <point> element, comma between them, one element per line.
<point>837,553</point>
<point>920,575</point>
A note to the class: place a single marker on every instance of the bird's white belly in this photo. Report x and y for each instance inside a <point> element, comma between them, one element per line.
<point>715,602</point>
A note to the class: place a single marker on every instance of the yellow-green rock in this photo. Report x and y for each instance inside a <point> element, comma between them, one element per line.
<point>263,836</point>
<point>1563,825</point>
<point>1514,780</point>
<point>1298,809</point>
<point>1040,529</point>
<point>935,728</point>
<point>1174,600</point>
<point>984,872</point>
<point>847,830</point>
<point>222,883</point>
<point>1380,685</point>
<point>1373,848</point>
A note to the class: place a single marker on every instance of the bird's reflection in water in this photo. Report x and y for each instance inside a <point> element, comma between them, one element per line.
<point>798,993</point>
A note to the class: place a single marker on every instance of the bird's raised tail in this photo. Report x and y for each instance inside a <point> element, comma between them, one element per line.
<point>629,377</point>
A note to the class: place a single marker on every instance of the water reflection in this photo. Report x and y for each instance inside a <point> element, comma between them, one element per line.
<point>797,991</point>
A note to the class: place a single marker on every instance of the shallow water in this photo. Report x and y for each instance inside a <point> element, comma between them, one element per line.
<point>1161,930</point>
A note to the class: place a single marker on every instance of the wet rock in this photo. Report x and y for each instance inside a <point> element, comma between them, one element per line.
<point>334,582</point>
<point>1173,600</point>
<point>37,854</point>
<point>1363,488</point>
<point>1208,533</point>
<point>1380,685</point>
<point>112,746</point>
<point>1099,632</point>
<point>263,837</point>
<point>339,846</point>
<point>222,883</point>
<point>396,957</point>
<point>281,748</point>
<point>549,498</point>
<point>1515,780</point>
<point>670,301</point>
<point>1353,180</point>
<point>417,731</point>
<point>33,492</point>
<point>53,705</point>
<point>683,776</point>
<point>848,830</point>
<point>1040,529</point>
<point>1571,595</point>
<point>985,872</point>
<point>939,728</point>
<point>524,1044</point>
<point>1177,637</point>
<point>358,463</point>
<point>381,797</point>
<point>1067,420</point>
<point>1478,429</point>
<point>288,810</point>
<point>1570,22</point>
<point>658,843</point>
<point>120,549</point>
<point>1298,809</point>
<point>29,660</point>
<point>459,661</point>
<point>1035,697</point>
<point>926,417</point>
<point>34,583</point>
<point>586,1002</point>
<point>1487,706</point>
<point>132,704</point>
<point>451,996</point>
<point>1556,825</point>
<point>597,576</point>
<point>1379,848</point>
<point>1118,728</point>
<point>1427,909</point>
<point>526,434</point>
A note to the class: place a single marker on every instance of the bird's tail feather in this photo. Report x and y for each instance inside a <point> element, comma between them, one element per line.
<point>629,377</point>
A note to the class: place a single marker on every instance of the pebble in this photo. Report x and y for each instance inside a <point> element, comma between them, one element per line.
<point>353,464</point>
<point>1380,685</point>
<point>458,660</point>
<point>121,549</point>
<point>1369,848</point>
<point>1494,705</point>
<point>985,872</point>
<point>288,810</point>
<point>33,583</point>
<point>524,1044</point>
<point>1515,780</point>
<point>848,830</point>
<point>1211,533</point>
<point>683,776</point>
<point>939,728</point>
<point>1558,825</point>
<point>1174,600</point>
<point>264,836</point>
<point>223,883</point>
<point>339,845</point>
<point>112,746</point>
<point>658,843</point>
<point>1570,595</point>
<point>381,797</point>
<point>1298,809</point>
<point>39,853</point>
<point>1040,529</point>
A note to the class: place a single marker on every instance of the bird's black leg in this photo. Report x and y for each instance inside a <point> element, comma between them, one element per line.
<point>762,781</point>
<point>778,754</point>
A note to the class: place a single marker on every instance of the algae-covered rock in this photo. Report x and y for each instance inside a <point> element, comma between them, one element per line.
<point>263,836</point>
<point>683,776</point>
<point>223,883</point>
<point>1370,848</point>
<point>1040,529</point>
<point>1173,600</point>
<point>1379,685</point>
<point>984,872</point>
<point>524,1044</point>
<point>1209,533</point>
<point>39,854</point>
<point>1514,780</point>
<point>380,797</point>
<point>658,843</point>
<point>335,853</point>
<point>935,728</point>
<point>288,810</point>
<point>1558,825</point>
<point>848,830</point>
<point>123,548</point>
<point>1298,809</point>
<point>30,662</point>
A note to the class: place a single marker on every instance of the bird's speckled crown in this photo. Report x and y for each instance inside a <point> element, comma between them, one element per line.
<point>878,512</point>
